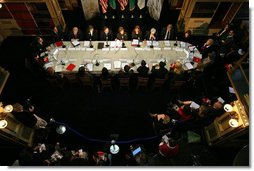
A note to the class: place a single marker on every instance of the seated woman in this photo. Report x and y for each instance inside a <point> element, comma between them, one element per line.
<point>137,33</point>
<point>177,72</point>
<point>121,35</point>
<point>27,117</point>
<point>151,35</point>
<point>106,34</point>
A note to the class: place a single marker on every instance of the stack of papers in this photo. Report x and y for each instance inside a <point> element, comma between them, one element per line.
<point>86,44</point>
<point>221,100</point>
<point>134,42</point>
<point>194,105</point>
<point>189,65</point>
<point>167,43</point>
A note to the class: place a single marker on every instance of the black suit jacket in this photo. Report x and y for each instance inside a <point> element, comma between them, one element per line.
<point>55,37</point>
<point>79,36</point>
<point>93,37</point>
<point>103,36</point>
<point>171,36</point>
<point>122,37</point>
<point>136,36</point>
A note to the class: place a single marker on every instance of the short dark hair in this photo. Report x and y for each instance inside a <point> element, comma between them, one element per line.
<point>172,142</point>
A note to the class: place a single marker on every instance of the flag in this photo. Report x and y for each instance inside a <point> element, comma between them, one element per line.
<point>104,5</point>
<point>90,8</point>
<point>123,4</point>
<point>154,8</point>
<point>132,4</point>
<point>141,4</point>
<point>112,3</point>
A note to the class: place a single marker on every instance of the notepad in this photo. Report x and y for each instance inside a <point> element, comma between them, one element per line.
<point>231,90</point>
<point>117,64</point>
<point>70,67</point>
<point>89,67</point>
<point>75,43</point>
<point>107,65</point>
<point>189,65</point>
<point>194,105</point>
<point>59,68</point>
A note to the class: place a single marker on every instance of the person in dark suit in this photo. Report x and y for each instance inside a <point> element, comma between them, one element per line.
<point>151,35</point>
<point>121,35</point>
<point>39,46</point>
<point>75,33</point>
<point>137,33</point>
<point>168,33</point>
<point>106,34</point>
<point>208,47</point>
<point>91,34</point>
<point>161,72</point>
<point>56,35</point>
<point>187,37</point>
<point>228,42</point>
<point>143,69</point>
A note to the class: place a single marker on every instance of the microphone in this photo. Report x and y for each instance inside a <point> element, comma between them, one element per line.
<point>175,44</point>
<point>90,38</point>
<point>151,46</point>
<point>107,45</point>
<point>123,44</point>
<point>138,42</point>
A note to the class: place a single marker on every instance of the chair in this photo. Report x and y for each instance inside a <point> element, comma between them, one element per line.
<point>142,82</point>
<point>124,82</point>
<point>158,82</point>
<point>106,84</point>
<point>71,79</point>
<point>176,86</point>
<point>86,81</point>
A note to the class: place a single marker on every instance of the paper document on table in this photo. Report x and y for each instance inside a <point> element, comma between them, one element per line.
<point>231,90</point>
<point>58,68</point>
<point>89,49</point>
<point>139,48</point>
<point>70,48</point>
<point>117,64</point>
<point>156,48</point>
<point>189,65</point>
<point>123,48</point>
<point>183,44</point>
<point>49,64</point>
<point>107,65</point>
<point>86,43</point>
<point>194,105</point>
<point>135,42</point>
<point>75,43</point>
<point>154,43</point>
<point>123,64</point>
<point>89,67</point>
<point>221,100</point>
<point>167,43</point>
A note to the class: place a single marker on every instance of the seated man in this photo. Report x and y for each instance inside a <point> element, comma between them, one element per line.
<point>91,34</point>
<point>39,46</point>
<point>106,34</point>
<point>75,33</point>
<point>168,33</point>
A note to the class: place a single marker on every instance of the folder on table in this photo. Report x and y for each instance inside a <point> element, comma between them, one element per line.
<point>70,67</point>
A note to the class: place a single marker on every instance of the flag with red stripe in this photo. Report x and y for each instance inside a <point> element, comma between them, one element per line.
<point>104,5</point>
<point>123,4</point>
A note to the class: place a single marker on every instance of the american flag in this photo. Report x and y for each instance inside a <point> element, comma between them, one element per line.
<point>104,5</point>
<point>123,4</point>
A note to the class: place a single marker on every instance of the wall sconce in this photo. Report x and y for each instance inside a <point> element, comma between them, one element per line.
<point>1,5</point>
<point>4,110</point>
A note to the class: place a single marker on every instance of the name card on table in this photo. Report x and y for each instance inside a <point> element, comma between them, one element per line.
<point>90,49</point>
<point>105,49</point>
<point>59,68</point>
<point>83,48</point>
<point>157,48</point>
<point>123,48</point>
<point>139,48</point>
<point>167,48</point>
<point>147,49</point>
<point>70,48</point>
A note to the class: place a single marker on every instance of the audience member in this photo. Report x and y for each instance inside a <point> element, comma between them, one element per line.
<point>143,69</point>
<point>161,72</point>
<point>106,34</point>
<point>137,33</point>
<point>76,33</point>
<point>168,33</point>
<point>91,33</point>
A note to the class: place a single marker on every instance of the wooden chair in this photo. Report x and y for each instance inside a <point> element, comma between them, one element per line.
<point>124,82</point>
<point>71,79</point>
<point>106,84</point>
<point>158,82</point>
<point>176,87</point>
<point>86,81</point>
<point>142,82</point>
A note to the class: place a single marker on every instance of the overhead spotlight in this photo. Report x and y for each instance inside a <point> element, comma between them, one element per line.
<point>114,149</point>
<point>61,129</point>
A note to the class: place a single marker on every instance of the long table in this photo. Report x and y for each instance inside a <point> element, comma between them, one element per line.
<point>115,57</point>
